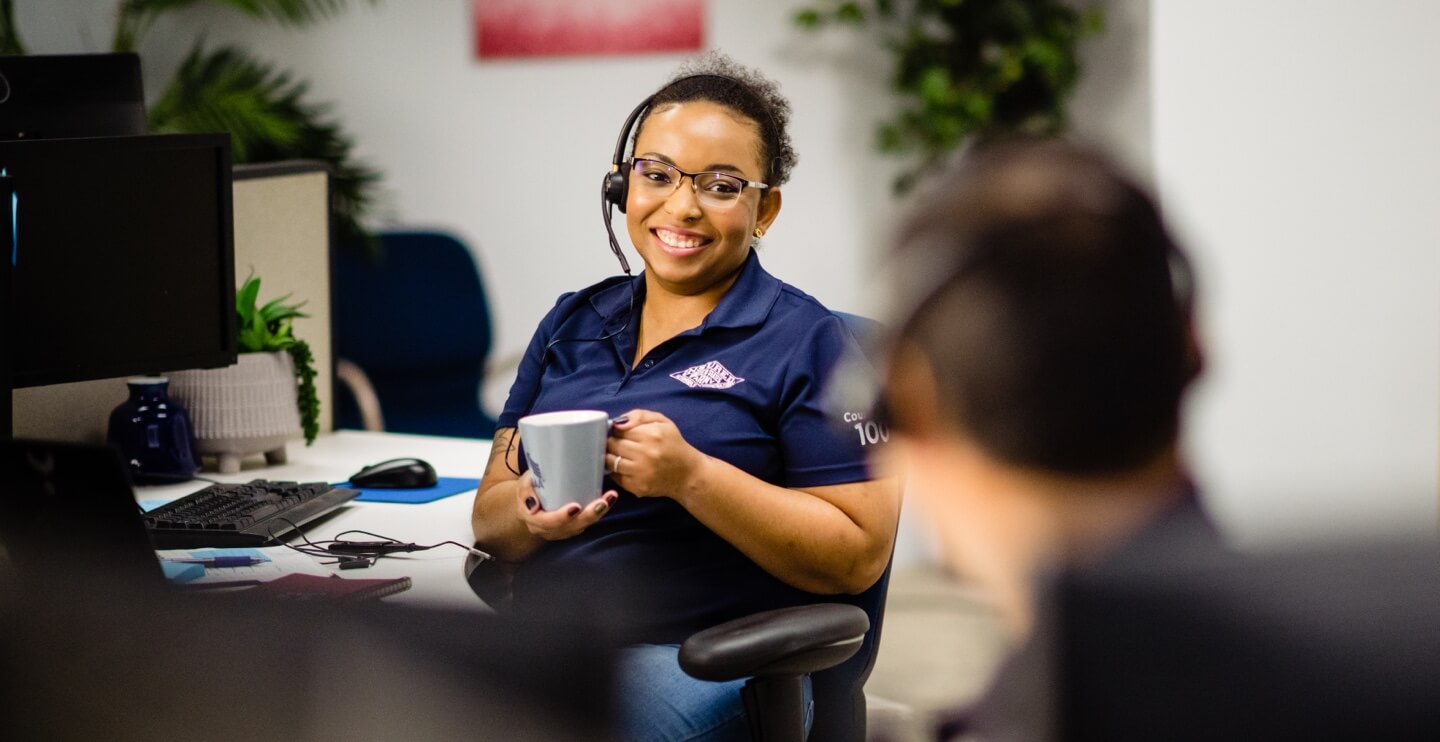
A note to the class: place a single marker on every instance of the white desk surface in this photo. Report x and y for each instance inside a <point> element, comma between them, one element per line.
<point>437,575</point>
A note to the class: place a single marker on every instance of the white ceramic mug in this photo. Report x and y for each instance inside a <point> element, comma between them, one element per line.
<point>566,454</point>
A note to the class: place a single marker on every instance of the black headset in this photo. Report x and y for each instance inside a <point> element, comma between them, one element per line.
<point>616,187</point>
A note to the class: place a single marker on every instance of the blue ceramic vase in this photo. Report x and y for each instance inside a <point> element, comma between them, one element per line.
<point>153,433</point>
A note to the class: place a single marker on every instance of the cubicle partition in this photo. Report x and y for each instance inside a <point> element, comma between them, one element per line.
<point>282,232</point>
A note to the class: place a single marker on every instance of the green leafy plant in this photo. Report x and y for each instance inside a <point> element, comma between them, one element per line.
<point>270,328</point>
<point>225,89</point>
<point>967,68</point>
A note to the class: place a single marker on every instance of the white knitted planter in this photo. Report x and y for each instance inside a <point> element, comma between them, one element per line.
<point>244,409</point>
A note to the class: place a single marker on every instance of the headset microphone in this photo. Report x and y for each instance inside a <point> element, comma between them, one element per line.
<point>609,230</point>
<point>616,186</point>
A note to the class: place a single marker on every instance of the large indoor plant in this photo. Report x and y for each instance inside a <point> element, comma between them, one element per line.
<point>266,398</point>
<point>967,68</point>
<point>268,114</point>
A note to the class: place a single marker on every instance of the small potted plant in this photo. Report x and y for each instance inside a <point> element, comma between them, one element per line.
<point>266,398</point>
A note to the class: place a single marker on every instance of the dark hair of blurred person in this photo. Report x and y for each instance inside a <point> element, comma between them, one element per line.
<point>1042,349</point>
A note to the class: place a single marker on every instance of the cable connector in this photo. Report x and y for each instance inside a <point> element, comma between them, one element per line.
<point>370,547</point>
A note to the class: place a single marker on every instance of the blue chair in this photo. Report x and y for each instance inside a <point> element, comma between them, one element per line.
<point>412,336</point>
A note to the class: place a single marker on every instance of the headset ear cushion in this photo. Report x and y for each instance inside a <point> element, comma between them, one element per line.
<point>617,186</point>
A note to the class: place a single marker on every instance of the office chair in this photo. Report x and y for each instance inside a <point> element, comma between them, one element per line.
<point>412,335</point>
<point>834,643</point>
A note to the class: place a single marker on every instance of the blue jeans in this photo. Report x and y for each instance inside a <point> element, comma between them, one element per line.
<point>659,702</point>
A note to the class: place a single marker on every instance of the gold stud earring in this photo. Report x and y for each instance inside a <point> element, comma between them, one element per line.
<point>759,231</point>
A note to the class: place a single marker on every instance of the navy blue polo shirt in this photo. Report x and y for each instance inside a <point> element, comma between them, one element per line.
<point>746,387</point>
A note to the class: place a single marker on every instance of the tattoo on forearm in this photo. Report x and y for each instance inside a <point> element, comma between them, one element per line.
<point>500,447</point>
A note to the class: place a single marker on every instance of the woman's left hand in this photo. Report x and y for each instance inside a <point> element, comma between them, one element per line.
<point>647,455</point>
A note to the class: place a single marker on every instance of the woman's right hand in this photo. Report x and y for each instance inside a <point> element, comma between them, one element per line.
<point>567,522</point>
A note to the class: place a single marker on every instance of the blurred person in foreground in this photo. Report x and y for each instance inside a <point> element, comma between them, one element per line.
<point>1042,345</point>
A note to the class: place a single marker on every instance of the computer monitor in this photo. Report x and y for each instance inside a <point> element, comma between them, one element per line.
<point>71,95</point>
<point>122,257</point>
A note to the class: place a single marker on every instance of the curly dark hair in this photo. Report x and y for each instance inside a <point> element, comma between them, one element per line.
<point>717,78</point>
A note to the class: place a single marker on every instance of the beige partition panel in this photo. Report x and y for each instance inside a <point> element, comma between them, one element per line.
<point>282,230</point>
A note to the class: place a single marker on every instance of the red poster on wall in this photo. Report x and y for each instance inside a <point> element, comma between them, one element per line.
<point>543,28</point>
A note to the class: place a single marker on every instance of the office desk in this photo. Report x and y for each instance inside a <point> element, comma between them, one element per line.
<point>437,575</point>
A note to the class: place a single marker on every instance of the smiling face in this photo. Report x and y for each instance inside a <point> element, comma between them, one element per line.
<point>690,249</point>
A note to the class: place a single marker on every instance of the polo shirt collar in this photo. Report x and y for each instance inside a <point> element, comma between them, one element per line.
<point>612,303</point>
<point>749,299</point>
<point>746,304</point>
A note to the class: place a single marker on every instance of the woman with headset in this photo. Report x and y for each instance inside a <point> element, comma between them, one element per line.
<point>731,488</point>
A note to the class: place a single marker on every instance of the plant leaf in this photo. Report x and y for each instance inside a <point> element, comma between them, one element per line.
<point>305,395</point>
<point>277,310</point>
<point>246,296</point>
<point>227,91</point>
<point>264,328</point>
<point>135,17</point>
<point>967,68</point>
<point>268,119</point>
<point>851,13</point>
<point>293,12</point>
<point>10,42</point>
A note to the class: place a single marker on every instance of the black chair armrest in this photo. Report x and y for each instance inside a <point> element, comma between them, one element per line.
<point>786,641</point>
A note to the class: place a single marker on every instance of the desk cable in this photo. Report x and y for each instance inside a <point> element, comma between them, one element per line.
<point>350,554</point>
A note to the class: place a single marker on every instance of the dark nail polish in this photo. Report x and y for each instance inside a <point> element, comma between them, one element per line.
<point>573,510</point>
<point>529,503</point>
<point>610,499</point>
<point>622,420</point>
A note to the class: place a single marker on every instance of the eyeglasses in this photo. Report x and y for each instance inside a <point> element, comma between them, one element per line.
<point>658,179</point>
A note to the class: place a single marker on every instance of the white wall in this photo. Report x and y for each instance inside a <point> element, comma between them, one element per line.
<point>1111,107</point>
<point>1297,148</point>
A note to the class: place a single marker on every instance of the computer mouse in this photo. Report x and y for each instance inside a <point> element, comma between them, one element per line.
<point>406,473</point>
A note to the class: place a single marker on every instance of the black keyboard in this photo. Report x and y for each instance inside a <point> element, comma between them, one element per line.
<point>257,513</point>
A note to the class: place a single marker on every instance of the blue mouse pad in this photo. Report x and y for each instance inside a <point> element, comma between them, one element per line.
<point>444,487</point>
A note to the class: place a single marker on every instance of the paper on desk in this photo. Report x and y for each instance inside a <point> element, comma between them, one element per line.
<point>278,562</point>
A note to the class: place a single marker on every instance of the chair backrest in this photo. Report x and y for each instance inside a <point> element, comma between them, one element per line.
<point>415,318</point>
<point>839,693</point>
<point>867,331</point>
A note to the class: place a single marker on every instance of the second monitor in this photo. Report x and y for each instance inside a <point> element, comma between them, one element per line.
<point>122,257</point>
<point>71,95</point>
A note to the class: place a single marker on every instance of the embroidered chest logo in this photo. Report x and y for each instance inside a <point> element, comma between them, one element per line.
<point>710,375</point>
